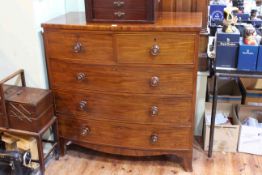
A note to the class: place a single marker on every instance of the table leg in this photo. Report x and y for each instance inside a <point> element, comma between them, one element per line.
<point>56,139</point>
<point>213,117</point>
<point>40,154</point>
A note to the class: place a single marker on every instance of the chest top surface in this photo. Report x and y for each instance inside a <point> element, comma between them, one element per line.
<point>167,21</point>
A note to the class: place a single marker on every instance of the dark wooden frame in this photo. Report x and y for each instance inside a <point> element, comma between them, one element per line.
<point>38,136</point>
<point>218,74</point>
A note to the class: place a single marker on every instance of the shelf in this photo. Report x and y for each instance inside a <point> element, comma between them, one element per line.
<point>237,73</point>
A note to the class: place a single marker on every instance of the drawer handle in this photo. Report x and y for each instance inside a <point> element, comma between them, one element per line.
<point>154,111</point>
<point>83,105</point>
<point>85,131</point>
<point>119,3</point>
<point>154,138</point>
<point>119,14</point>
<point>81,76</point>
<point>154,81</point>
<point>155,50</point>
<point>77,47</point>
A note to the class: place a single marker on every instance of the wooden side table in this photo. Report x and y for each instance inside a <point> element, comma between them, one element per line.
<point>38,135</point>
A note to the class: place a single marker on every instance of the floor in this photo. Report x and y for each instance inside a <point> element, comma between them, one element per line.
<point>79,161</point>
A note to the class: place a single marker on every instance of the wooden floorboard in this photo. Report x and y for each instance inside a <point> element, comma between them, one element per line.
<point>80,161</point>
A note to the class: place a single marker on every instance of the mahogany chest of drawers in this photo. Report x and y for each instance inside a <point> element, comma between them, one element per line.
<point>125,89</point>
<point>144,11</point>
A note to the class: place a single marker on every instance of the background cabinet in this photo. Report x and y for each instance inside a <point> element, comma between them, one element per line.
<point>186,6</point>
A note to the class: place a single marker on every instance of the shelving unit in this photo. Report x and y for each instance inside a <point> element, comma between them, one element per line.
<point>217,73</point>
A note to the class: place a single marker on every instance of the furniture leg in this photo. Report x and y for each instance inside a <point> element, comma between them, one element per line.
<point>62,146</point>
<point>213,117</point>
<point>40,154</point>
<point>56,139</point>
<point>185,160</point>
<point>187,163</point>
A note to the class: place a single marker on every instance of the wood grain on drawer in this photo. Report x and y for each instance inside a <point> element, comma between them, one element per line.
<point>150,137</point>
<point>125,107</point>
<point>173,48</point>
<point>112,14</point>
<point>82,47</point>
<point>148,80</point>
<point>120,4</point>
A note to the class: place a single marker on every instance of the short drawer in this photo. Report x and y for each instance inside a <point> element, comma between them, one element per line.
<point>147,80</point>
<point>83,47</point>
<point>143,109</point>
<point>154,137</point>
<point>119,14</point>
<point>121,4</point>
<point>156,48</point>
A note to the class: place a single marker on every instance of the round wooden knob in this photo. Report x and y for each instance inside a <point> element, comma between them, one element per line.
<point>83,105</point>
<point>80,76</point>
<point>155,50</point>
<point>84,131</point>
<point>154,81</point>
<point>154,138</point>
<point>154,111</point>
<point>77,47</point>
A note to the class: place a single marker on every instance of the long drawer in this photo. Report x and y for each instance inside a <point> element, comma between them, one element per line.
<point>120,4</point>
<point>83,47</point>
<point>115,14</point>
<point>125,107</point>
<point>149,137</point>
<point>148,80</point>
<point>156,48</point>
<point>140,48</point>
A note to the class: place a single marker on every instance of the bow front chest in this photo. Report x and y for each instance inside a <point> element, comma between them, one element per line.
<point>125,89</point>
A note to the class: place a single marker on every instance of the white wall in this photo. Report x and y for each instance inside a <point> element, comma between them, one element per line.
<point>21,43</point>
<point>75,5</point>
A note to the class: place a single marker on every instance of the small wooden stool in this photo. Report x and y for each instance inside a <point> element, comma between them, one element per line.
<point>34,119</point>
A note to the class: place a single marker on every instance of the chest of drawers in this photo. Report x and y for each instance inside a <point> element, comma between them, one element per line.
<point>125,89</point>
<point>142,11</point>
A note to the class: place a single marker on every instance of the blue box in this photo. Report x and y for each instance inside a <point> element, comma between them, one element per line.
<point>247,57</point>
<point>227,49</point>
<point>259,59</point>
<point>243,17</point>
<point>216,12</point>
<point>256,23</point>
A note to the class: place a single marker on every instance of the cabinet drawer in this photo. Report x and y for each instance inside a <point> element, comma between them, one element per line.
<point>120,4</point>
<point>166,48</point>
<point>83,47</point>
<point>156,137</point>
<point>112,14</point>
<point>146,80</point>
<point>125,107</point>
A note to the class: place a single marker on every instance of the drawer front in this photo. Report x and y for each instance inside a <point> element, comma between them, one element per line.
<point>84,47</point>
<point>118,134</point>
<point>127,108</point>
<point>122,79</point>
<point>166,48</point>
<point>114,14</point>
<point>121,4</point>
